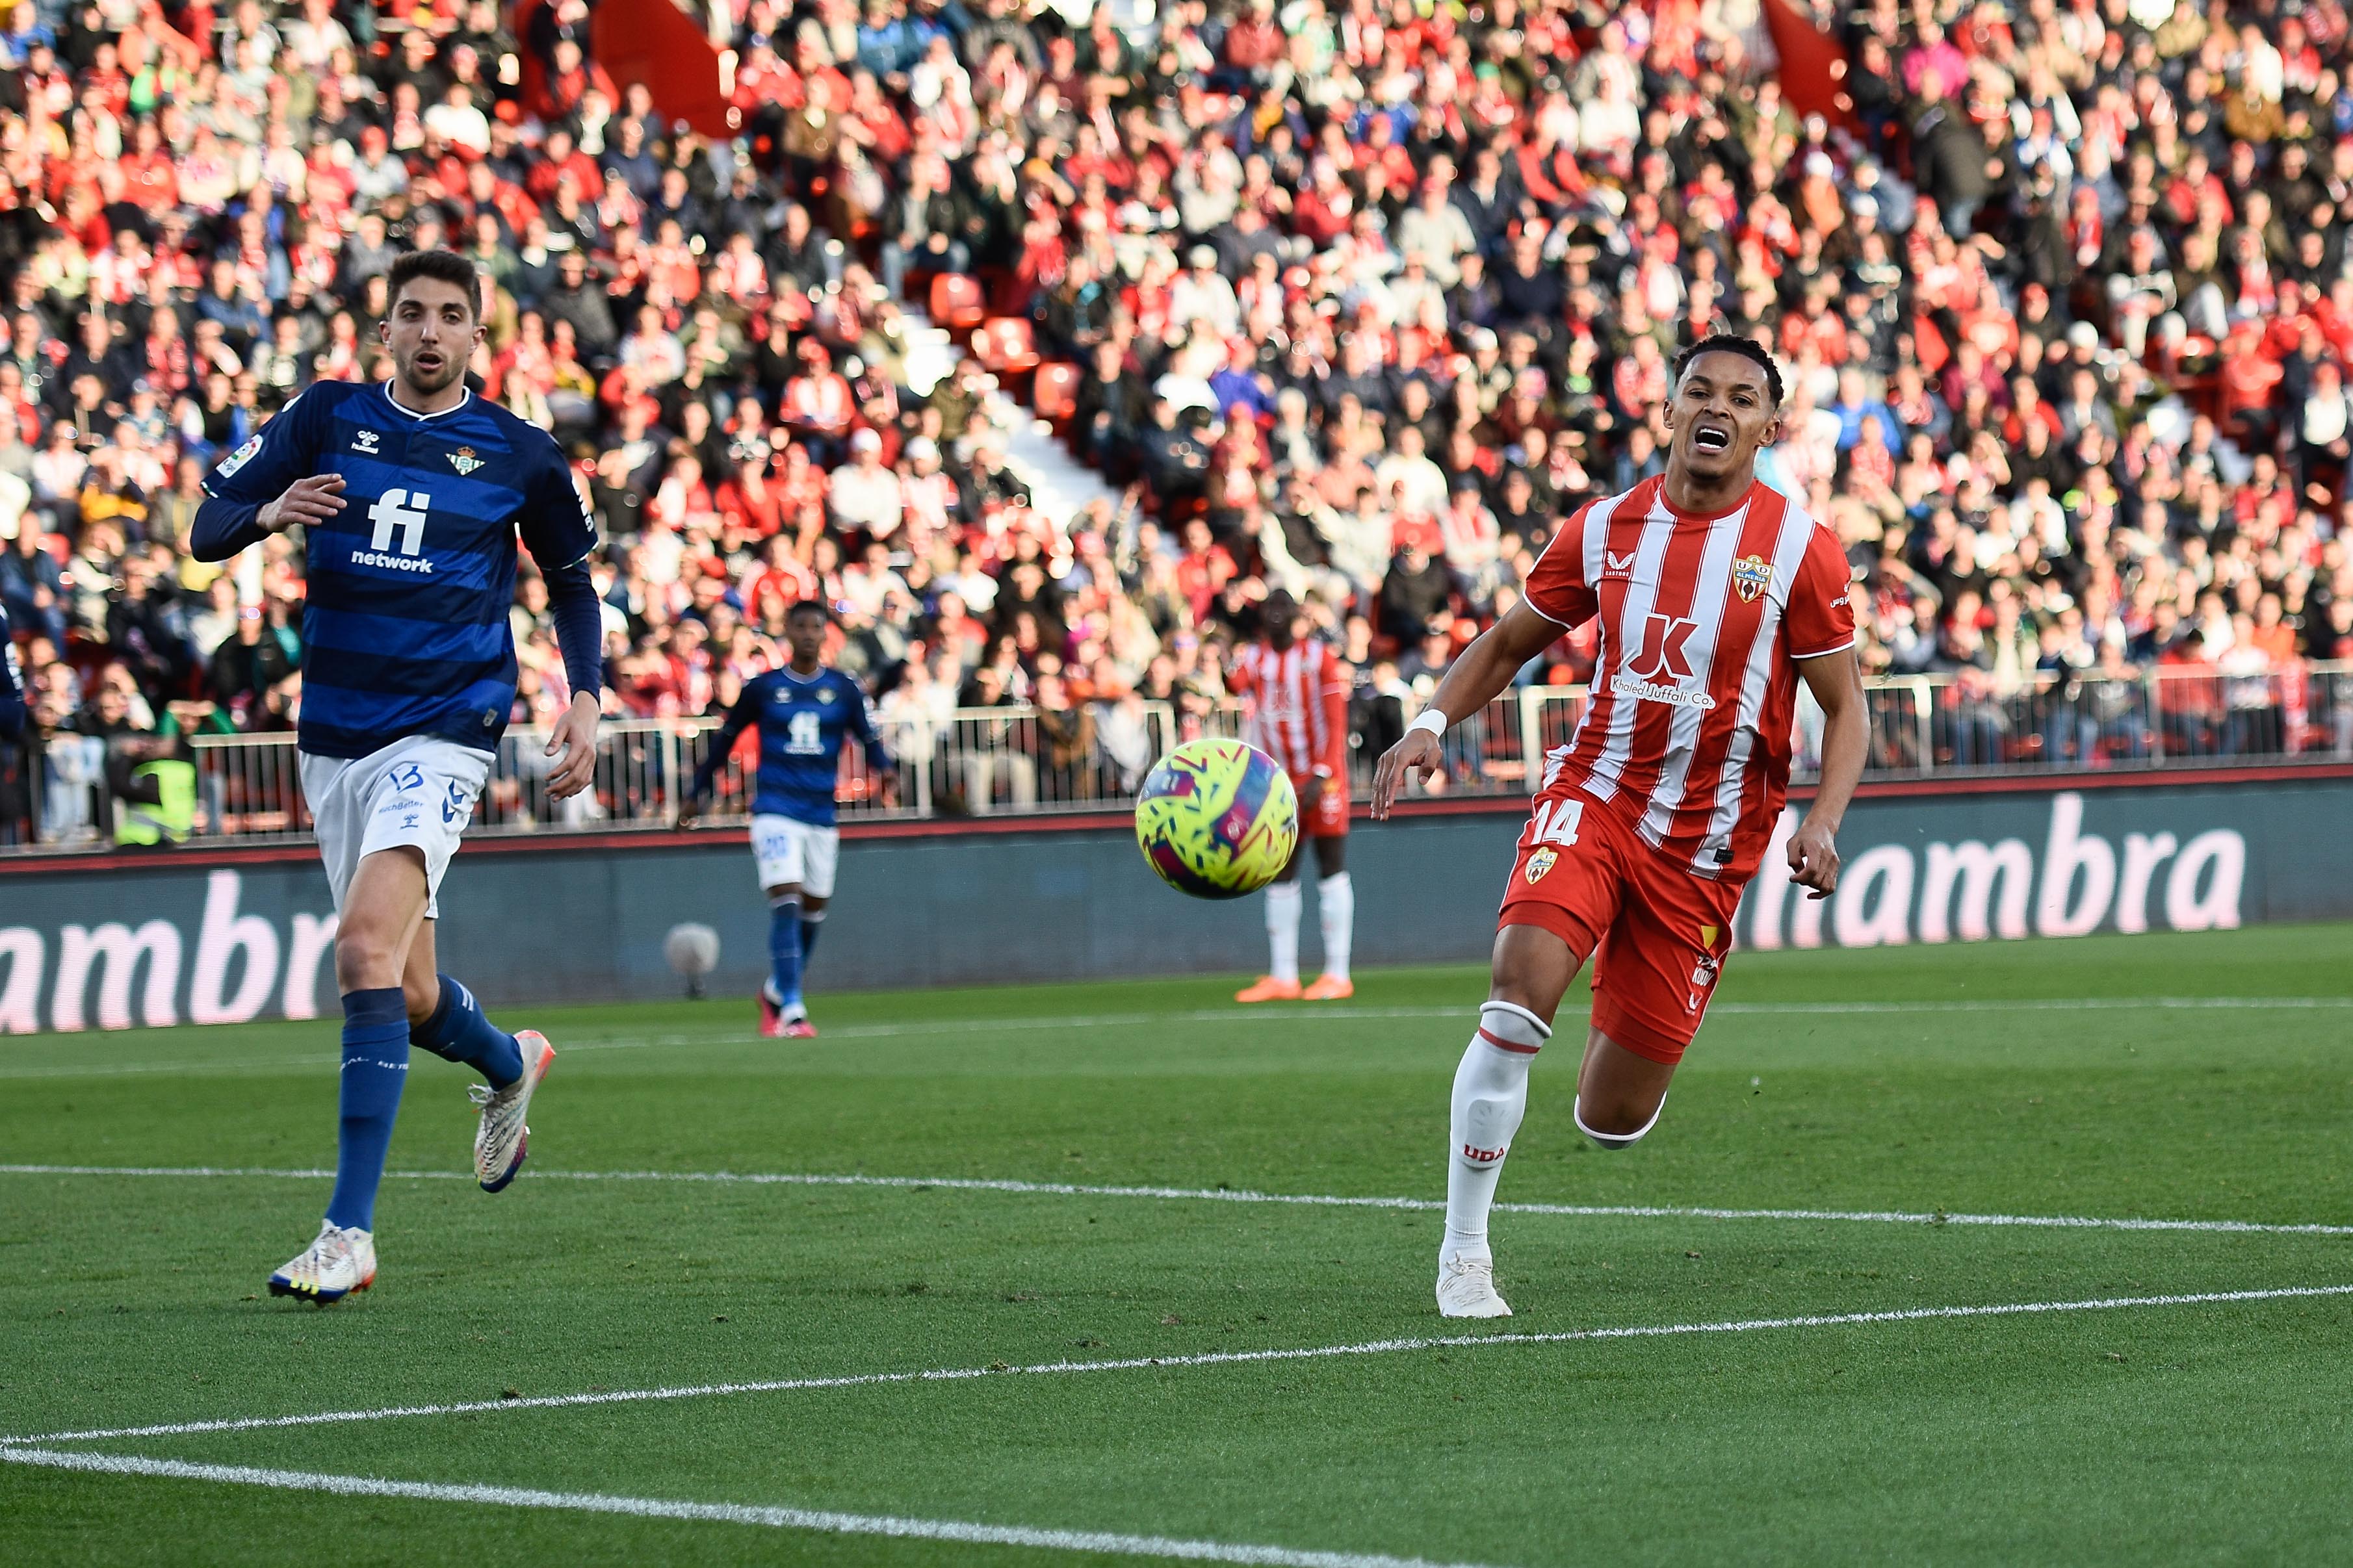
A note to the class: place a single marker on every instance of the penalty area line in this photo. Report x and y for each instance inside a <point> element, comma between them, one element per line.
<point>10,1446</point>
<point>1231,1195</point>
<point>961,1532</point>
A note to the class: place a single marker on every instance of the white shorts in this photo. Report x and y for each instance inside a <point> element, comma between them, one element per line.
<point>790,851</point>
<point>418,792</point>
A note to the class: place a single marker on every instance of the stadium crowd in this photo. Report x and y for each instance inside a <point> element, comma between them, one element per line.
<point>1366,297</point>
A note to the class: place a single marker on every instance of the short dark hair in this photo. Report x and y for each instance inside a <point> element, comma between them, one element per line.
<point>1748,349</point>
<point>442,266</point>
<point>811,607</point>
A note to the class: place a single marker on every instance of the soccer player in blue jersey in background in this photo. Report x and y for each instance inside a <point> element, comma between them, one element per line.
<point>12,684</point>
<point>410,495</point>
<point>803,711</point>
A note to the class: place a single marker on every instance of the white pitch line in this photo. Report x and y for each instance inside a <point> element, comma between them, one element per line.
<point>961,1028</point>
<point>1206,1358</point>
<point>957,1530</point>
<point>1235,1196</point>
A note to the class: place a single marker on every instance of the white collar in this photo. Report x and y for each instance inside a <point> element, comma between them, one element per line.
<point>436,413</point>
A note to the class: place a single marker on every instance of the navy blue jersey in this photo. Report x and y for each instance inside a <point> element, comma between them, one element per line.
<point>12,684</point>
<point>803,721</point>
<point>405,629</point>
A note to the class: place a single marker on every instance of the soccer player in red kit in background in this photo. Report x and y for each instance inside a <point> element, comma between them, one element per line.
<point>1299,716</point>
<point>1716,595</point>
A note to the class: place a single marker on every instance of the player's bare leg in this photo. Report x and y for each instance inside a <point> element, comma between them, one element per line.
<point>783,1016</point>
<point>1618,1094</point>
<point>1336,910</point>
<point>382,910</point>
<point>1284,900</point>
<point>1529,975</point>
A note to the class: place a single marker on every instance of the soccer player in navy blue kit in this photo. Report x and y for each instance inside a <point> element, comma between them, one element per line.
<point>410,495</point>
<point>12,685</point>
<point>804,711</point>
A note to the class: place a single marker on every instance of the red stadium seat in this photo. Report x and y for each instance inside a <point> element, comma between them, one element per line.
<point>957,302</point>
<point>1003,344</point>
<point>1055,394</point>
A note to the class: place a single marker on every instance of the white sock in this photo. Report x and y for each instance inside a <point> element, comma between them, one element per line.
<point>1491,1095</point>
<point>1336,906</point>
<point>1284,902</point>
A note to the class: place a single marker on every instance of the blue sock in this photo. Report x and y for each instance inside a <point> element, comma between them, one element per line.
<point>460,1031</point>
<point>811,925</point>
<point>376,1066</point>
<point>784,950</point>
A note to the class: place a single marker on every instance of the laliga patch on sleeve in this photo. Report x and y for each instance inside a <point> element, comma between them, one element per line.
<point>238,458</point>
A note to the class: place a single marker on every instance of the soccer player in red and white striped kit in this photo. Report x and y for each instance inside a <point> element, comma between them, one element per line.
<point>1716,596</point>
<point>1298,714</point>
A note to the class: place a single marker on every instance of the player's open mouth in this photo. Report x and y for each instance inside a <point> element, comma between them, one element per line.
<point>1711,438</point>
<point>428,363</point>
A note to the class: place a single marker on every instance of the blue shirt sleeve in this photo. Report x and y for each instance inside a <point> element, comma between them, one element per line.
<point>739,719</point>
<point>858,719</point>
<point>285,451</point>
<point>556,527</point>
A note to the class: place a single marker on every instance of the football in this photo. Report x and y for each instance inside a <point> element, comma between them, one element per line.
<point>1218,819</point>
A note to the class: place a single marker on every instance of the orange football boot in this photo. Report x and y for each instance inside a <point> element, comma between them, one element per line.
<point>1329,988</point>
<point>1269,989</point>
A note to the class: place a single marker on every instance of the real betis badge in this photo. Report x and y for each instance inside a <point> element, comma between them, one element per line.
<point>464,461</point>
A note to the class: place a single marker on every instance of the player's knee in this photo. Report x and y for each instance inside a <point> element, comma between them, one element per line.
<point>366,959</point>
<point>422,996</point>
<point>1616,1123</point>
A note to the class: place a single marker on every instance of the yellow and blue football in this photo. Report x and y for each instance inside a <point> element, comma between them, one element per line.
<point>1218,819</point>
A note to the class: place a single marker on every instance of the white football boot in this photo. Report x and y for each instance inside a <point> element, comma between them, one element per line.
<point>1466,1288</point>
<point>338,1263</point>
<point>501,1141</point>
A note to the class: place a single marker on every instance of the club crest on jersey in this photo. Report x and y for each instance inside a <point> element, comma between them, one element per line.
<point>1751,575</point>
<point>1540,862</point>
<point>465,462</point>
<point>825,694</point>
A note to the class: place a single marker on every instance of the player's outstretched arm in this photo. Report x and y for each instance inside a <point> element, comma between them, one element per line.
<point>1836,681</point>
<point>740,718</point>
<point>224,526</point>
<point>1475,679</point>
<point>579,637</point>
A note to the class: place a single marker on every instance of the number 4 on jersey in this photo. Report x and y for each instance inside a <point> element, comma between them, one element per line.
<point>1556,822</point>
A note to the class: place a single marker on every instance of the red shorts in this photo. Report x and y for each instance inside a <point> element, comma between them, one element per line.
<point>1585,876</point>
<point>1329,819</point>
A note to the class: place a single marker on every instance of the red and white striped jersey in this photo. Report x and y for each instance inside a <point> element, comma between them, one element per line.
<point>1298,712</point>
<point>1687,732</point>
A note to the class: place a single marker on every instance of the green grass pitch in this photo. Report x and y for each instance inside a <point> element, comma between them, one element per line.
<point>2032,1079</point>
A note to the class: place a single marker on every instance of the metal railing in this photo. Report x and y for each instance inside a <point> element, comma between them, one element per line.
<point>990,760</point>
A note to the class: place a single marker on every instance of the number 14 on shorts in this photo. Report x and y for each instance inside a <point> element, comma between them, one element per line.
<point>1556,822</point>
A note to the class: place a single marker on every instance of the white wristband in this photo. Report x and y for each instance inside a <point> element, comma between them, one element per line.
<point>1431,719</point>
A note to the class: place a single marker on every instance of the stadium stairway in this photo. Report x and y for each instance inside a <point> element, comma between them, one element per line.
<point>1059,487</point>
